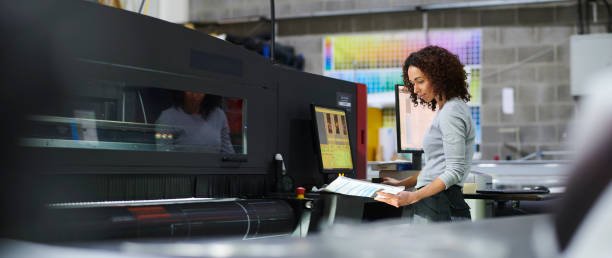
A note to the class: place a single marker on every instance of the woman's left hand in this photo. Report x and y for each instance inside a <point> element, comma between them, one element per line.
<point>401,199</point>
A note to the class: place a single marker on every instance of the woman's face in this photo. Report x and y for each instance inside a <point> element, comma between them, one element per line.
<point>422,85</point>
<point>194,97</point>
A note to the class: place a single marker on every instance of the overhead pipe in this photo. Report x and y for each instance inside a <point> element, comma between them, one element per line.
<point>427,7</point>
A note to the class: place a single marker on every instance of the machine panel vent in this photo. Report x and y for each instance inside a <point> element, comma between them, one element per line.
<point>216,63</point>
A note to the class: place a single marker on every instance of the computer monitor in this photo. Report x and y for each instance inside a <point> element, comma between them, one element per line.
<point>412,122</point>
<point>332,139</point>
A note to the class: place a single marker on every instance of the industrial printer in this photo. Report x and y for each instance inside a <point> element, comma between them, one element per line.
<point>134,127</point>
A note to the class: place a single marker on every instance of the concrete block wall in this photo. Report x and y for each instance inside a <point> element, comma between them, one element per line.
<point>534,61</point>
<point>524,48</point>
<point>527,59</point>
<point>215,10</point>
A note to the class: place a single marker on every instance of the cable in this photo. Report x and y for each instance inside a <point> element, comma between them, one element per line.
<point>144,114</point>
<point>141,5</point>
<point>123,106</point>
<point>521,62</point>
<point>273,21</point>
<point>580,19</point>
<point>587,17</point>
<point>425,18</point>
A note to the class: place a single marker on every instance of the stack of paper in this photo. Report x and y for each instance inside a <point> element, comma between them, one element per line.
<point>349,186</point>
<point>396,165</point>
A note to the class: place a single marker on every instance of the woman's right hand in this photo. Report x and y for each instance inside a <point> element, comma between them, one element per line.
<point>391,181</point>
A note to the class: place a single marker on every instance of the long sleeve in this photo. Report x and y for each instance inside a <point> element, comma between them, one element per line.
<point>454,134</point>
<point>448,145</point>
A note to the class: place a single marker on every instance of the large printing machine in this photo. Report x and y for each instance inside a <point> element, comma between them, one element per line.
<point>96,82</point>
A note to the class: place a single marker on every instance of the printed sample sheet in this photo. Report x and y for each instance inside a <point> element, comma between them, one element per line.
<point>354,187</point>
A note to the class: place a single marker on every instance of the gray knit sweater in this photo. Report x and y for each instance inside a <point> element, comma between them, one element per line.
<point>449,145</point>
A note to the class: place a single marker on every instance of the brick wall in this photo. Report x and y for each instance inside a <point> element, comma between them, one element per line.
<point>215,10</point>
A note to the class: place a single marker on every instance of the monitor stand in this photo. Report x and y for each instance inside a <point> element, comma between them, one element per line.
<point>417,160</point>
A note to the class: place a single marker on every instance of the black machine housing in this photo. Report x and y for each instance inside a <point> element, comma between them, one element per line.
<point>61,46</point>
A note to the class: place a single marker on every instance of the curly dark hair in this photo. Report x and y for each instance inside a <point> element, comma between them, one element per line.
<point>443,69</point>
<point>209,103</point>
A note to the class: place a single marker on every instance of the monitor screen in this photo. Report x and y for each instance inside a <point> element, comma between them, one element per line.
<point>332,138</point>
<point>412,122</point>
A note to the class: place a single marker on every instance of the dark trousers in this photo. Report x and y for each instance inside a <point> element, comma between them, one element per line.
<point>447,205</point>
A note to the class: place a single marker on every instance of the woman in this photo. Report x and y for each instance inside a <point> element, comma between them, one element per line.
<point>198,124</point>
<point>436,79</point>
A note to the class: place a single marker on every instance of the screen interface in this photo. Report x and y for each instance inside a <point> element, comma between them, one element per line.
<point>332,131</point>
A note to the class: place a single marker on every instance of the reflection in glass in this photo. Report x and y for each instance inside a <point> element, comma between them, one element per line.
<point>195,121</point>
<point>111,115</point>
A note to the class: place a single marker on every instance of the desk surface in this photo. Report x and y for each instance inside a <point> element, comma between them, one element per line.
<point>512,197</point>
<point>480,196</point>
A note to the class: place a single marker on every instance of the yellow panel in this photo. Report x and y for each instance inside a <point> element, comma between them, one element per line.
<point>374,123</point>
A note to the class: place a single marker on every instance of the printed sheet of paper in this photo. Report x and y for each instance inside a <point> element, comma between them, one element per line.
<point>349,186</point>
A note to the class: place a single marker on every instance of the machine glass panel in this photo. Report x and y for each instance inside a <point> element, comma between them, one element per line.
<point>116,116</point>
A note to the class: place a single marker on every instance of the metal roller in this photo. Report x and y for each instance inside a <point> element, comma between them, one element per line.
<point>177,218</point>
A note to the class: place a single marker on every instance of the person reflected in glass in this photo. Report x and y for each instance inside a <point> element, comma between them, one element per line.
<point>194,122</point>
<point>436,79</point>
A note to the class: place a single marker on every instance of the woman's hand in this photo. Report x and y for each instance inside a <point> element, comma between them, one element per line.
<point>391,181</point>
<point>401,199</point>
